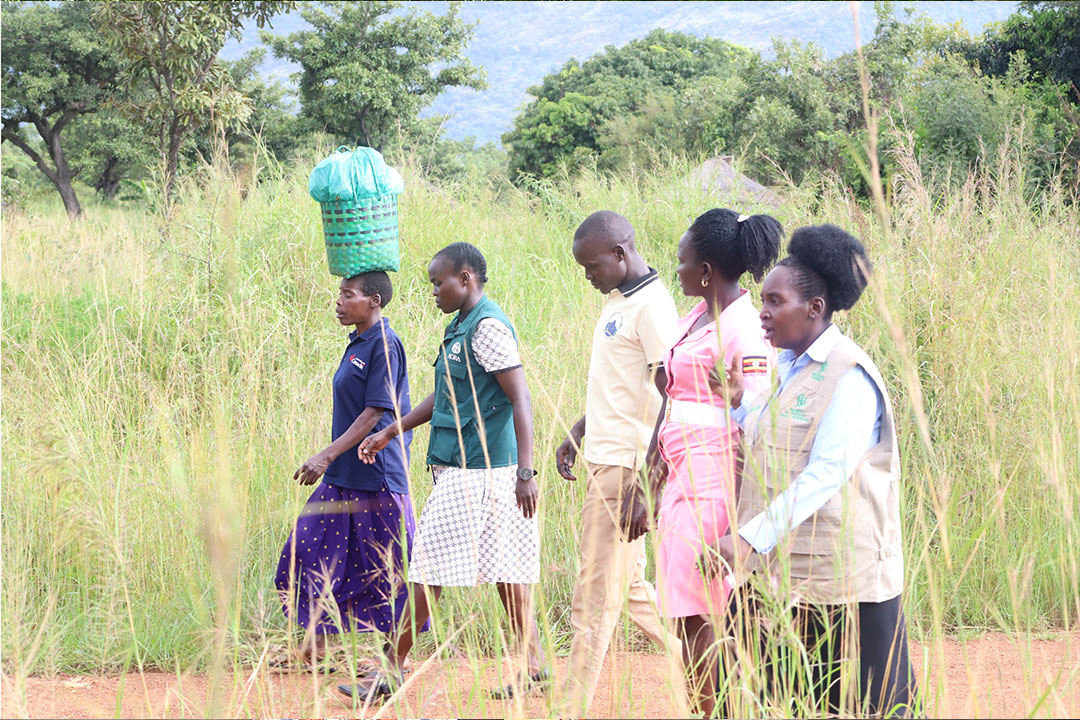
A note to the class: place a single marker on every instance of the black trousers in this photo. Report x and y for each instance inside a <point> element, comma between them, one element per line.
<point>761,643</point>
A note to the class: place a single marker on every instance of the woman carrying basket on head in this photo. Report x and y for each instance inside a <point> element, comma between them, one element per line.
<point>479,524</point>
<point>342,568</point>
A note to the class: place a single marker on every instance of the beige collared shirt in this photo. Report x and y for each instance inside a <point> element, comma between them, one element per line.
<point>631,339</point>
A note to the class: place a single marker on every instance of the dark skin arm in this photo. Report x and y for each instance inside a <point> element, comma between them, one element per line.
<point>314,467</point>
<point>513,384</point>
<point>419,415</point>
<point>635,514</point>
<point>567,452</point>
<point>727,553</point>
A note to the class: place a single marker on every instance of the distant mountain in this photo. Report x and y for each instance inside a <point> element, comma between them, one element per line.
<point>517,43</point>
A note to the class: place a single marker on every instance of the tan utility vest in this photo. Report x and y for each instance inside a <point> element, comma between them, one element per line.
<point>850,550</point>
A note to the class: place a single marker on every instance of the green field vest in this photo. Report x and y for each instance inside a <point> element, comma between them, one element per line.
<point>469,398</point>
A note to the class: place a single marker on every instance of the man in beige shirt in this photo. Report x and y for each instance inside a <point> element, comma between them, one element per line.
<point>631,340</point>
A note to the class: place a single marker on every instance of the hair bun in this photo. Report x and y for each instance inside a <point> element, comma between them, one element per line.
<point>837,256</point>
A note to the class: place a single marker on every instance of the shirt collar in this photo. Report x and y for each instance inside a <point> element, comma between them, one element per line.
<point>819,349</point>
<point>703,307</point>
<point>630,287</point>
<point>458,318</point>
<point>374,331</point>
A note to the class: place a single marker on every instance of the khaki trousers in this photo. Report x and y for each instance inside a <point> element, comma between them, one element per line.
<point>611,573</point>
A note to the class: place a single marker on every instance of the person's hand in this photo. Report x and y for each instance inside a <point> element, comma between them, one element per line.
<point>313,468</point>
<point>372,444</point>
<point>635,514</point>
<point>657,474</point>
<point>723,556</point>
<point>730,385</point>
<point>565,457</point>
<point>528,495</point>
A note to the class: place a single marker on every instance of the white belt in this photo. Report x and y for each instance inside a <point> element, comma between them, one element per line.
<point>692,413</point>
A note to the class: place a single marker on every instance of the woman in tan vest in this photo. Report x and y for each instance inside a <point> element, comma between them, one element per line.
<point>818,510</point>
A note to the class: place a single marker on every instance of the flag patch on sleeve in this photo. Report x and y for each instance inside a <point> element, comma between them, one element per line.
<point>755,365</point>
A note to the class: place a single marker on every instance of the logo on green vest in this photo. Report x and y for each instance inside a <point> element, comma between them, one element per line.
<point>455,352</point>
<point>819,374</point>
<point>796,412</point>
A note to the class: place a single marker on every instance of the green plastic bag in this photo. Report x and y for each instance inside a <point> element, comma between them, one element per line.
<point>358,194</point>
<point>353,175</point>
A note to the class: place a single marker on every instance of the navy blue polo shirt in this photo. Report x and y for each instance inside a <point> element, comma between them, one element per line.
<point>372,373</point>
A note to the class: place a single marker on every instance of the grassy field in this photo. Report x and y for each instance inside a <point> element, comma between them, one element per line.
<point>163,379</point>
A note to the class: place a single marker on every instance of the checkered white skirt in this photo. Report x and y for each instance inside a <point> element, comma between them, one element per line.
<point>472,532</point>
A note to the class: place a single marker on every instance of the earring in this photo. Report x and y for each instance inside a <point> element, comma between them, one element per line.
<point>704,282</point>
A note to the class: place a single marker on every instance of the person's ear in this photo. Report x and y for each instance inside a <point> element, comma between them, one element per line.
<point>816,307</point>
<point>620,253</point>
<point>375,300</point>
<point>464,278</point>
<point>706,274</point>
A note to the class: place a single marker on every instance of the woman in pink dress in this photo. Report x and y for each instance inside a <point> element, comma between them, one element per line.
<point>696,436</point>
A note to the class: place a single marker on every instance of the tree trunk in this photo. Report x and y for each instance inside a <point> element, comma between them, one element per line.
<point>71,201</point>
<point>363,126</point>
<point>60,176</point>
<point>109,179</point>
<point>64,176</point>
<point>172,161</point>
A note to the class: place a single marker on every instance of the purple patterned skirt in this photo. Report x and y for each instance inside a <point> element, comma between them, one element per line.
<point>343,566</point>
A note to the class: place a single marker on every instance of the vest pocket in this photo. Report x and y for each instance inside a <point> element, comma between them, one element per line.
<point>445,443</point>
<point>457,370</point>
<point>789,426</point>
<point>818,535</point>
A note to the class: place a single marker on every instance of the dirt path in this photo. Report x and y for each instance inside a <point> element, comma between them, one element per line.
<point>993,676</point>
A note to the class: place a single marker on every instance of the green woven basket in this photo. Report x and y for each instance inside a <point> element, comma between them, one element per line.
<point>361,235</point>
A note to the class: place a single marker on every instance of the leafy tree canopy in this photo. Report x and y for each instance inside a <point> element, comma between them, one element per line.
<point>56,69</point>
<point>573,104</point>
<point>173,46</point>
<point>272,119</point>
<point>1047,32</point>
<point>367,72</point>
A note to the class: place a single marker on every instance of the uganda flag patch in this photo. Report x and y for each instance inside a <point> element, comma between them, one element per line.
<point>755,365</point>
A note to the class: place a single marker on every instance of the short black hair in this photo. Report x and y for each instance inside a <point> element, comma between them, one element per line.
<point>830,262</point>
<point>734,246</point>
<point>376,282</point>
<point>463,254</point>
<point>608,225</point>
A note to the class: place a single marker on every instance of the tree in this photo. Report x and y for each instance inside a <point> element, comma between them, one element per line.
<point>272,117</point>
<point>1047,32</point>
<point>173,47</point>
<point>365,73</point>
<point>108,146</point>
<point>552,132</point>
<point>56,69</point>
<point>572,106</point>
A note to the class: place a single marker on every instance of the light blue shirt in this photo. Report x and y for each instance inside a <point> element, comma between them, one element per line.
<point>849,427</point>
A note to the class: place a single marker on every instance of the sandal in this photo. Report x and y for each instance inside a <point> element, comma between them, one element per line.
<point>377,686</point>
<point>537,681</point>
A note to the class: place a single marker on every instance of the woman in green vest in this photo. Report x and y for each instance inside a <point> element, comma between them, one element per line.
<point>479,525</point>
<point>819,501</point>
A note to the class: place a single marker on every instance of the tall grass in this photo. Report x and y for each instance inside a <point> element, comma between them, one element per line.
<point>161,383</point>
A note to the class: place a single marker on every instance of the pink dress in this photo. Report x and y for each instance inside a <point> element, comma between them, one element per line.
<point>698,440</point>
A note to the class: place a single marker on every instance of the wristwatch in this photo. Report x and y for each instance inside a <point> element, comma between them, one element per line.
<point>525,474</point>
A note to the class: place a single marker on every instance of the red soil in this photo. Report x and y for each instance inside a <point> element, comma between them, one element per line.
<point>993,676</point>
